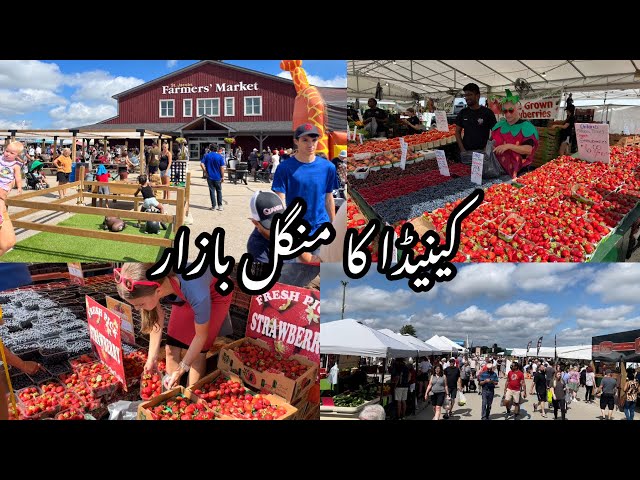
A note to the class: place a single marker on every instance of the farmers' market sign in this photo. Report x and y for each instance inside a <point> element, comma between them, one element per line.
<point>104,331</point>
<point>217,87</point>
<point>288,318</point>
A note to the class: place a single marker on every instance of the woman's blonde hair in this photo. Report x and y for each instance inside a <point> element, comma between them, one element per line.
<point>66,152</point>
<point>138,272</point>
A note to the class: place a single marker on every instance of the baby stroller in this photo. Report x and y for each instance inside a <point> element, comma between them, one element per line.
<point>35,178</point>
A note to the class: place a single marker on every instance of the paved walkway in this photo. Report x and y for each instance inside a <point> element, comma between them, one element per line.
<point>471,411</point>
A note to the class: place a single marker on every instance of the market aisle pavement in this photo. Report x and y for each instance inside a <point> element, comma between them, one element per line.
<point>471,411</point>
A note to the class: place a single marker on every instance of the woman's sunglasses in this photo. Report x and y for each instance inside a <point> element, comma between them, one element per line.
<point>130,284</point>
<point>510,110</point>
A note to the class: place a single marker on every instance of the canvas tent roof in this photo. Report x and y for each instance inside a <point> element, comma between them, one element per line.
<point>348,337</point>
<point>399,78</point>
<point>574,352</point>
<point>443,344</point>
<point>418,346</point>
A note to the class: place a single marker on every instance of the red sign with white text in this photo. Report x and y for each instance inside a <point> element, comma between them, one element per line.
<point>104,331</point>
<point>288,319</point>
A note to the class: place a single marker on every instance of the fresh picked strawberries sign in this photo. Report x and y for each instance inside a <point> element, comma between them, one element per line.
<point>288,319</point>
<point>104,331</point>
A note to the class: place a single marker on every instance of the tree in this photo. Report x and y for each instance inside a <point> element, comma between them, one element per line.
<point>409,330</point>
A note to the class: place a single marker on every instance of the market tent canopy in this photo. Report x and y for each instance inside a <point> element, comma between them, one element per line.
<point>348,337</point>
<point>443,344</point>
<point>412,342</point>
<point>452,345</point>
<point>437,77</point>
<point>574,352</point>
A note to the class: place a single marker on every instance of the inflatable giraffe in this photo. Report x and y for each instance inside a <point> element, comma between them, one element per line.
<point>309,104</point>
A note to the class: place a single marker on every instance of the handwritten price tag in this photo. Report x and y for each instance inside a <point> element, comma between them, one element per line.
<point>442,163</point>
<point>593,142</point>
<point>403,156</point>
<point>476,168</point>
<point>441,121</point>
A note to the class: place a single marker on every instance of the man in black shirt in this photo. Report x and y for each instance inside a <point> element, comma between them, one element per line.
<point>413,123</point>
<point>400,378</point>
<point>377,113</point>
<point>539,386</point>
<point>452,374</point>
<point>476,122</point>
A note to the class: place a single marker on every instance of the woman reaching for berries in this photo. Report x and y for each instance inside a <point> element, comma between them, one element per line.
<point>198,312</point>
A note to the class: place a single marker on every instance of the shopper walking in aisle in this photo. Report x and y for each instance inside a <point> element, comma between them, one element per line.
<point>608,388</point>
<point>454,383</point>
<point>589,382</point>
<point>488,381</point>
<point>213,165</point>
<point>574,383</point>
<point>438,387</point>
<point>539,387</point>
<point>400,378</point>
<point>559,392</point>
<point>631,393</point>
<point>513,388</point>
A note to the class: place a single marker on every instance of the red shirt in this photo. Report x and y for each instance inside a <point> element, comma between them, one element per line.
<point>103,178</point>
<point>513,380</point>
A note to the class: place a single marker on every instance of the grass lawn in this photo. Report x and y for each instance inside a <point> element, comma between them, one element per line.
<point>53,247</point>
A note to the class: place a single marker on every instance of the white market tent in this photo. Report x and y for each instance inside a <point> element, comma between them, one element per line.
<point>437,77</point>
<point>348,337</point>
<point>444,344</point>
<point>574,352</point>
<point>422,348</point>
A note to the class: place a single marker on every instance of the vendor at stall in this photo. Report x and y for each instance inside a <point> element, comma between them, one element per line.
<point>197,314</point>
<point>377,117</point>
<point>413,123</point>
<point>515,140</point>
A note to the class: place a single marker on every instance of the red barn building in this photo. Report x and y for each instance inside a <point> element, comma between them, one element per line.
<point>210,100</point>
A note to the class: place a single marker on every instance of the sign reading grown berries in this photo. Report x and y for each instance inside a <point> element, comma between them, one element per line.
<point>288,319</point>
<point>104,331</point>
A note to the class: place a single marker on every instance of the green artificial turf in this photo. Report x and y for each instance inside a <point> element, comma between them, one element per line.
<point>53,247</point>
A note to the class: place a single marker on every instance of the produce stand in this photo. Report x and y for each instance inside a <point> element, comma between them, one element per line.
<point>47,322</point>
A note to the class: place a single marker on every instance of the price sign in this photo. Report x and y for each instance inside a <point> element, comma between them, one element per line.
<point>441,121</point>
<point>626,130</point>
<point>360,116</point>
<point>75,273</point>
<point>593,142</point>
<point>403,156</point>
<point>476,168</point>
<point>360,138</point>
<point>442,163</point>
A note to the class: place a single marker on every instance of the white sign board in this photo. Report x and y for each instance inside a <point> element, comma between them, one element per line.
<point>544,108</point>
<point>360,138</point>
<point>442,163</point>
<point>593,142</point>
<point>626,131</point>
<point>476,168</point>
<point>403,156</point>
<point>441,121</point>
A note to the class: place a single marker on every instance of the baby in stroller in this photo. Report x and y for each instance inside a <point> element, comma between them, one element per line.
<point>35,178</point>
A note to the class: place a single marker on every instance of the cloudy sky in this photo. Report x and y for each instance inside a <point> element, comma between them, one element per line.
<point>53,94</point>
<point>507,304</point>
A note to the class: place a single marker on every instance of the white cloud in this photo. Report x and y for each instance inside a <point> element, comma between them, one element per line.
<point>171,63</point>
<point>618,283</point>
<point>365,299</point>
<point>612,323</point>
<point>523,308</point>
<point>21,74</point>
<point>24,100</point>
<point>12,125</point>
<point>603,313</point>
<point>573,336</point>
<point>99,85</point>
<point>547,277</point>
<point>78,114</point>
<point>482,279</point>
<point>337,81</point>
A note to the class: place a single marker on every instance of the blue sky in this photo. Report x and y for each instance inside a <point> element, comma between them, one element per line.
<point>507,304</point>
<point>54,94</point>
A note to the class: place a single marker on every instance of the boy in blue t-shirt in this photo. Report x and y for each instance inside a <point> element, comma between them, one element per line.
<point>309,177</point>
<point>212,165</point>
